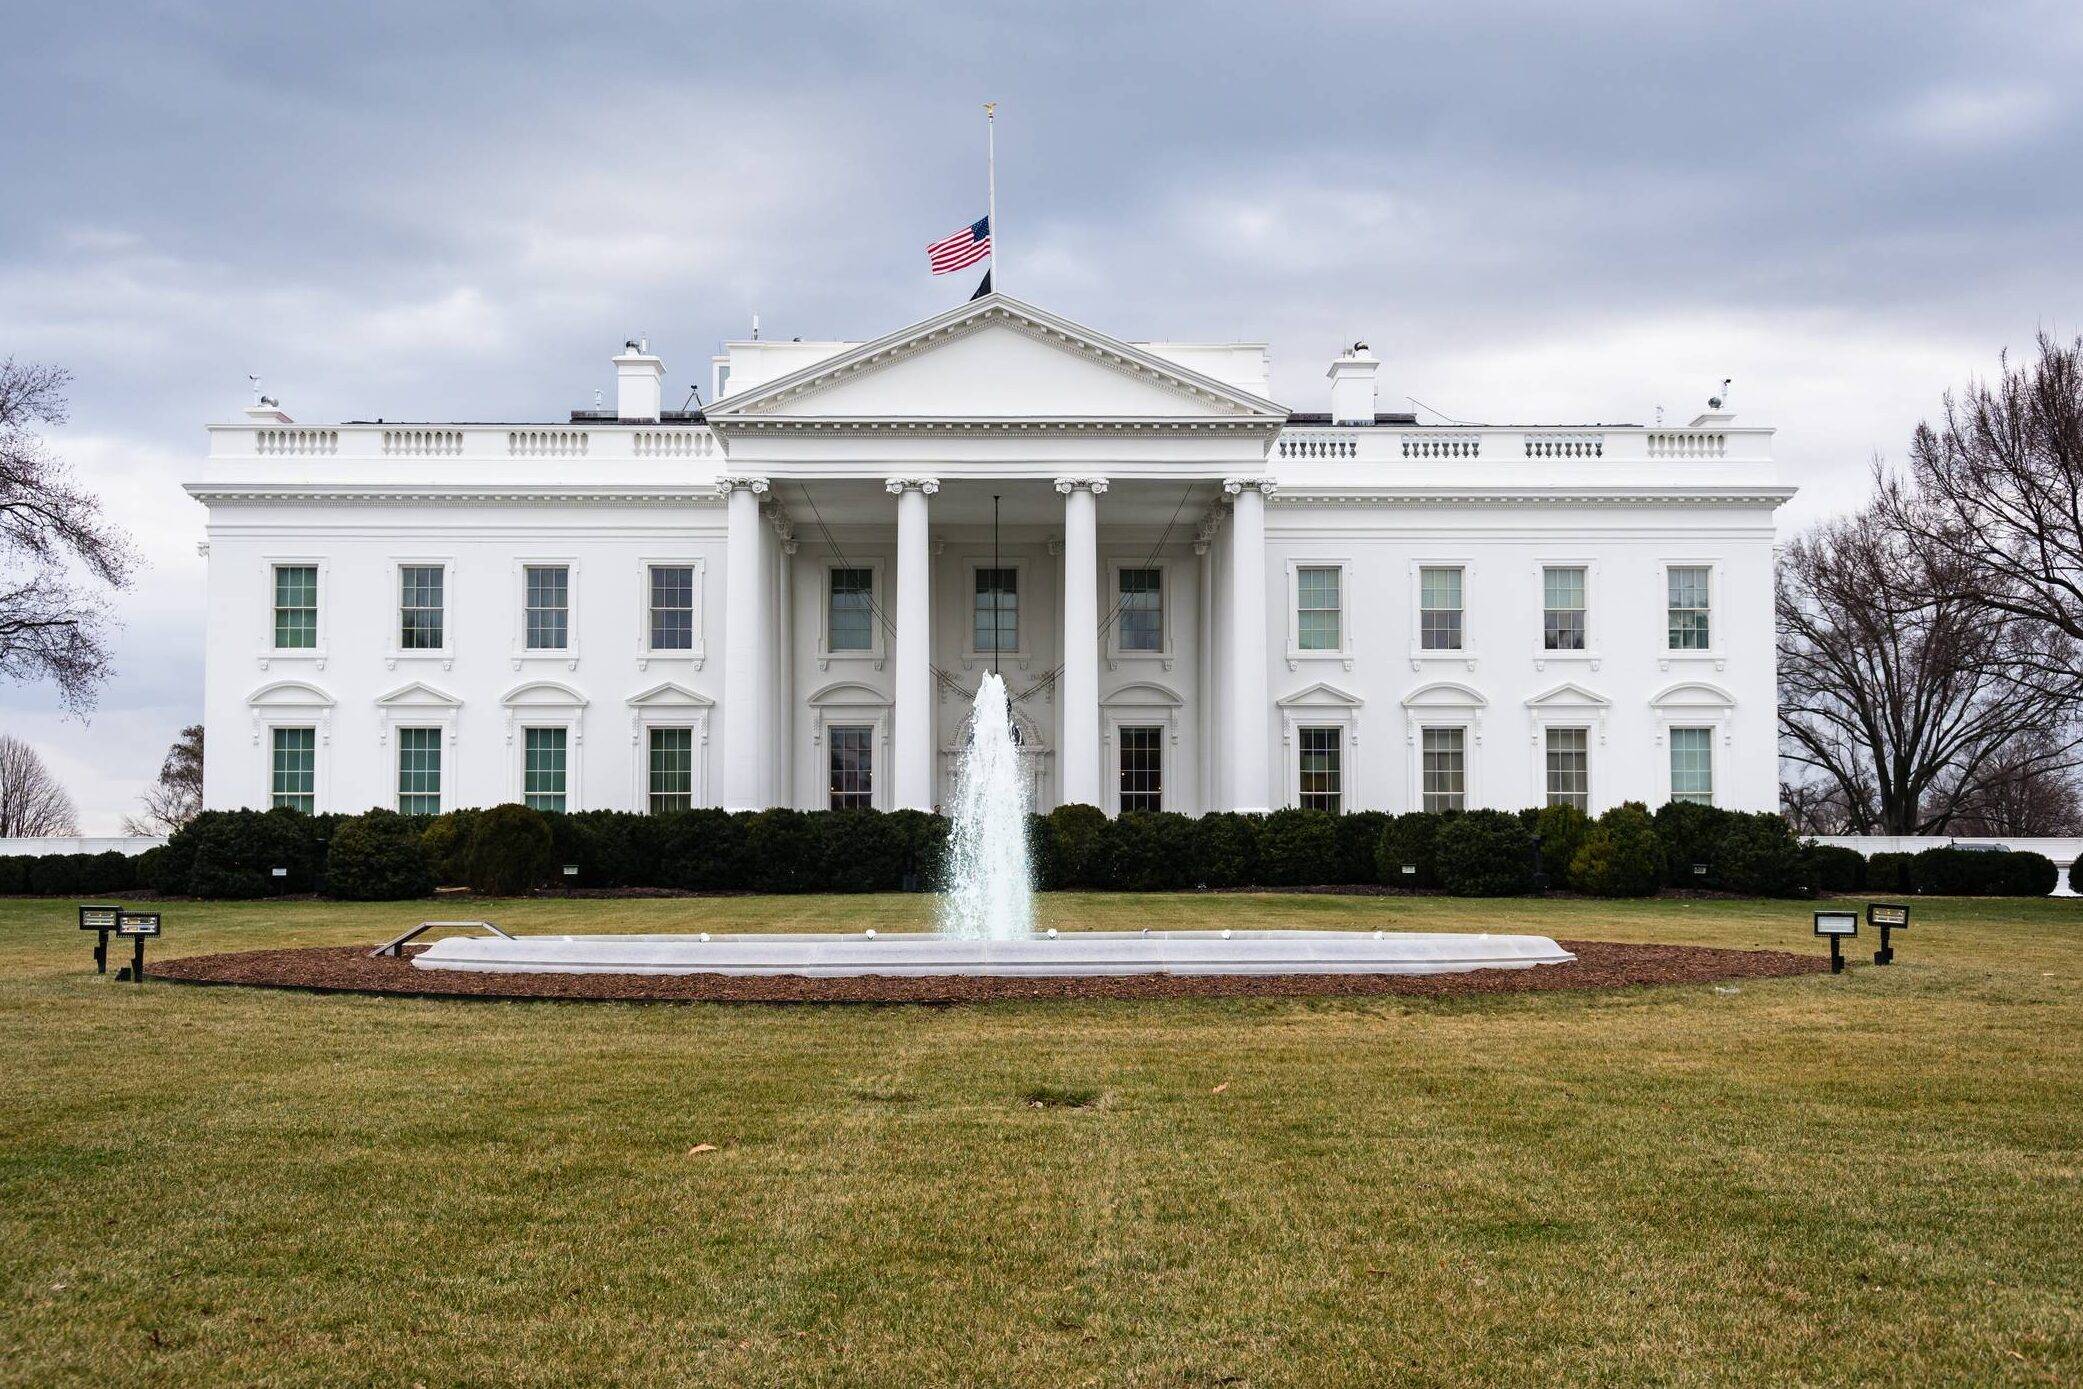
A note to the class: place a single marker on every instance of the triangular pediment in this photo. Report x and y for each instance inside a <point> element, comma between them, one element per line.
<point>1321,695</point>
<point>990,360</point>
<point>1569,695</point>
<point>670,694</point>
<point>418,695</point>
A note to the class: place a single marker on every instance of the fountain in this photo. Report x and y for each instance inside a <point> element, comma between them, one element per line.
<point>990,889</point>
<point>986,919</point>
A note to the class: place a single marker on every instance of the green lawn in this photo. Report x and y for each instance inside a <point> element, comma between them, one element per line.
<point>1865,1179</point>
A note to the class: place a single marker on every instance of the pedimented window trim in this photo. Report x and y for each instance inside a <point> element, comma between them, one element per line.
<point>1567,705</point>
<point>667,704</point>
<point>1322,705</point>
<point>416,704</point>
<point>296,702</point>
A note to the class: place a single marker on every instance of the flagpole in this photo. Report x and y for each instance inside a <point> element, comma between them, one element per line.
<point>991,202</point>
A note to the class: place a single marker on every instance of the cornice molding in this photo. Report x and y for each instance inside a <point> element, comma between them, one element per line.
<point>1043,426</point>
<point>1522,496</point>
<point>219,494</point>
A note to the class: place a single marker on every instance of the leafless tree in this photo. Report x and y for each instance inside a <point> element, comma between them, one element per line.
<point>1996,491</point>
<point>59,554</point>
<point>1898,685</point>
<point>177,797</point>
<point>2022,796</point>
<point>31,800</point>
<point>1814,805</point>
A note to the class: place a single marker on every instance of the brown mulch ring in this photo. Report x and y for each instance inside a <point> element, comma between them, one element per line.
<point>1599,965</point>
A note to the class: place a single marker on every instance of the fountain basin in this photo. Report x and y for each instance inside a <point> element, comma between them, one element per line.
<point>1071,954</point>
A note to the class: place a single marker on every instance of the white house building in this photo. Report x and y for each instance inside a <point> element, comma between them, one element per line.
<point>1199,598</point>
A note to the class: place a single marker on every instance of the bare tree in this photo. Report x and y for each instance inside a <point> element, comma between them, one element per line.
<point>58,552</point>
<point>1814,805</point>
<point>2022,796</point>
<point>177,797</point>
<point>1997,492</point>
<point>1899,686</point>
<point>31,800</point>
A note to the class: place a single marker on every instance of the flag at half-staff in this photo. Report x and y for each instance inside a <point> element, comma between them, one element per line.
<point>962,250</point>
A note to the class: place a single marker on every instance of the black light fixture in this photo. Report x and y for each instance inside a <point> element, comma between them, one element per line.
<point>1886,917</point>
<point>138,926</point>
<point>101,920</point>
<point>1837,925</point>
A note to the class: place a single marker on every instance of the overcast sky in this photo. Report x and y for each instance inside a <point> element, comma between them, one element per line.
<point>1572,212</point>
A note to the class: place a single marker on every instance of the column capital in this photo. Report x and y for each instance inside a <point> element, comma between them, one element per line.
<point>898,485</point>
<point>728,483</point>
<point>1264,486</point>
<point>1095,485</point>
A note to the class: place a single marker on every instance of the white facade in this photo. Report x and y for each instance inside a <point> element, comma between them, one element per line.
<point>1600,597</point>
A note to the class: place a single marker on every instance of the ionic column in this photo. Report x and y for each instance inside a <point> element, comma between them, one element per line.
<point>1250,711</point>
<point>745,653</point>
<point>1080,689</point>
<point>911,777</point>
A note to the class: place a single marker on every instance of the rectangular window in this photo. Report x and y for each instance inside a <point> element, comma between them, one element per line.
<point>296,607</point>
<point>853,766</point>
<point>1445,770</point>
<point>419,771</point>
<point>543,770</point>
<point>549,606</point>
<point>1688,607</point>
<point>672,607</point>
<point>1142,610</point>
<point>1562,609</point>
<point>1692,765</point>
<point>850,620</point>
<point>1569,768</point>
<point>1142,769</point>
<point>1439,609</point>
<point>1322,770</point>
<point>421,625</point>
<point>997,610</point>
<point>672,769</point>
<point>293,780</point>
<point>1319,609</point>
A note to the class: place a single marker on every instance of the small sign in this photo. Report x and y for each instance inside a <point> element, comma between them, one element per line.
<point>99,918</point>
<point>137,924</point>
<point>1699,870</point>
<point>1837,923</point>
<point>1892,915</point>
<point>1410,870</point>
<point>279,872</point>
<point>571,870</point>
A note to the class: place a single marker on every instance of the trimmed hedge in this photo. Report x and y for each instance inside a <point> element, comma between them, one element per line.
<point>512,849</point>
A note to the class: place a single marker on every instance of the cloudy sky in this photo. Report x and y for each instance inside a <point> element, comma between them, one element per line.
<point>1570,212</point>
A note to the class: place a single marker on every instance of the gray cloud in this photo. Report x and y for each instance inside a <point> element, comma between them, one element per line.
<point>458,210</point>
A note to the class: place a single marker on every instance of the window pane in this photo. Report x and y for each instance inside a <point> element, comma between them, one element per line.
<point>1688,608</point>
<point>1692,765</point>
<point>296,607</point>
<point>672,769</point>
<point>293,777</point>
<point>851,621</point>
<point>997,610</point>
<point>852,767</point>
<point>1142,610</point>
<point>543,770</point>
<point>1439,609</point>
<point>549,606</point>
<point>419,771</point>
<point>1445,773</point>
<point>1562,601</point>
<point>1322,777</point>
<point>1319,614</point>
<point>1569,768</point>
<point>672,607</point>
<point>1142,769</point>
<point>420,625</point>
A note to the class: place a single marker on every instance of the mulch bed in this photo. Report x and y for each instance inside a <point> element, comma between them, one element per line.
<point>1599,965</point>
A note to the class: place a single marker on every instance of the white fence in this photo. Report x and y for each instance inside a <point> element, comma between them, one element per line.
<point>2063,851</point>
<point>41,844</point>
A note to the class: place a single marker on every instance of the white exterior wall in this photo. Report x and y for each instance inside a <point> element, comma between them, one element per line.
<point>993,398</point>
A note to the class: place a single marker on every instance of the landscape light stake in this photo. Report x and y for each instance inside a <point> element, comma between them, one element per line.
<point>101,920</point>
<point>1886,917</point>
<point>1836,925</point>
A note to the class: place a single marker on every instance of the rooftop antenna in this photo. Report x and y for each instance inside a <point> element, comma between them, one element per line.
<point>254,381</point>
<point>694,397</point>
<point>755,327</point>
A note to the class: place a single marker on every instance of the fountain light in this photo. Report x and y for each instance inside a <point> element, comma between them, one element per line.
<point>871,933</point>
<point>705,938</point>
<point>1052,933</point>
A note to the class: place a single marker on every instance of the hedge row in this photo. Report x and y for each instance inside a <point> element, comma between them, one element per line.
<point>510,849</point>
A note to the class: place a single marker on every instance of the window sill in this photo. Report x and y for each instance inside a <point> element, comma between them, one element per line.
<point>1542,657</point>
<point>1163,658</point>
<point>568,658</point>
<point>1020,660</point>
<point>694,657</point>
<point>1420,657</point>
<point>315,655</point>
<point>870,656</point>
<point>446,657</point>
<point>1718,659</point>
<point>1296,656</point>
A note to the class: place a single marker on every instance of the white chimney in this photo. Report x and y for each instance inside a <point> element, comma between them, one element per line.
<point>639,382</point>
<point>1352,386</point>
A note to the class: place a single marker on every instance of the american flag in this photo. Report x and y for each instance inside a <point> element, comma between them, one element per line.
<point>965,248</point>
